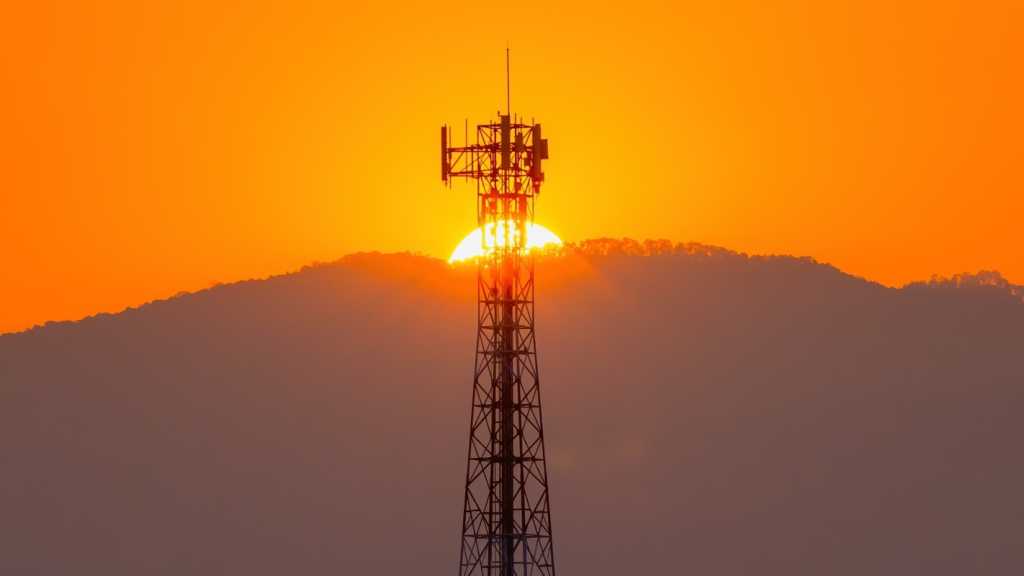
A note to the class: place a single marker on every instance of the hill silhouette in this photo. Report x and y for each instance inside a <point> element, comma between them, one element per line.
<point>707,412</point>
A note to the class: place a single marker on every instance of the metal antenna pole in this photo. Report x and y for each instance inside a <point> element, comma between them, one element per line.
<point>506,520</point>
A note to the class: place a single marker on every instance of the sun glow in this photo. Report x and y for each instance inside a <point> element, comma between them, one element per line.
<point>472,245</point>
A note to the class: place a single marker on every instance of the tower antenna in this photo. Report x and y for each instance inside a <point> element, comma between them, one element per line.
<point>506,519</point>
<point>508,82</point>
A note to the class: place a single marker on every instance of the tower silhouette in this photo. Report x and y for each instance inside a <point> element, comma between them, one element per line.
<point>506,521</point>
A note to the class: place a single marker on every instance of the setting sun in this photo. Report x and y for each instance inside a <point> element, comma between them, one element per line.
<point>472,245</point>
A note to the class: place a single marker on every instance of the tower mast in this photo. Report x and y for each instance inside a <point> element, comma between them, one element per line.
<point>508,82</point>
<point>506,521</point>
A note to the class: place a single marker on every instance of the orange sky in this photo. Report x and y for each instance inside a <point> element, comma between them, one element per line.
<point>150,149</point>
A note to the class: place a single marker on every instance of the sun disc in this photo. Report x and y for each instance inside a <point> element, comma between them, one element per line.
<point>472,245</point>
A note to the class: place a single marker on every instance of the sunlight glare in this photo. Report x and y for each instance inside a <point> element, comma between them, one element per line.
<point>472,245</point>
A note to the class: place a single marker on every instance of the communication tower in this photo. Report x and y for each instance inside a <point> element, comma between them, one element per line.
<point>506,519</point>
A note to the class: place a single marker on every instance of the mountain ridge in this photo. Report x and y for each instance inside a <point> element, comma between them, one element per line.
<point>711,412</point>
<point>596,247</point>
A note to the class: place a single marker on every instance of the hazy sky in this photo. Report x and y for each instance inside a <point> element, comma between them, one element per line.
<point>153,148</point>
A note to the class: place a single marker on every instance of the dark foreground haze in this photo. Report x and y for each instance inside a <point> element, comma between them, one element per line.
<point>706,413</point>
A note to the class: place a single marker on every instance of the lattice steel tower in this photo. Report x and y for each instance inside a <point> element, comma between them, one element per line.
<point>506,520</point>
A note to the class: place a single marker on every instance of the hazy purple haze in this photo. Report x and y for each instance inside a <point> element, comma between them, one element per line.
<point>706,413</point>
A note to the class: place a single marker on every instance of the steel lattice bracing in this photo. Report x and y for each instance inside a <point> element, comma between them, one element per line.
<point>506,516</point>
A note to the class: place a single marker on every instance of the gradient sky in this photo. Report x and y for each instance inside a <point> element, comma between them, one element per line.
<point>149,148</point>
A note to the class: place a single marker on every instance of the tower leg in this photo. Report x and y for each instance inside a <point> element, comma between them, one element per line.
<point>507,433</point>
